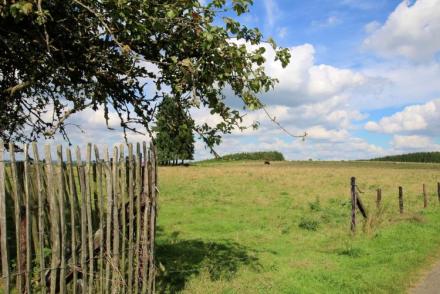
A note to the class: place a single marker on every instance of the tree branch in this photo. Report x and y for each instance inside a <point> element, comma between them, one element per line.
<point>273,119</point>
<point>62,119</point>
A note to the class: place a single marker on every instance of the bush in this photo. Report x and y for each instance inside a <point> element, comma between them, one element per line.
<point>265,156</point>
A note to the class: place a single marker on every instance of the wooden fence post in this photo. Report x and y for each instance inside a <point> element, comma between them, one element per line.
<point>109,216</point>
<point>438,191</point>
<point>145,244</point>
<point>83,220</point>
<point>378,198</point>
<point>89,197</point>
<point>153,191</point>
<point>138,182</point>
<point>41,235</point>
<point>123,218</point>
<point>99,224</point>
<point>3,231</point>
<point>27,176</point>
<point>425,197</point>
<point>17,195</point>
<point>401,199</point>
<point>353,204</point>
<point>130,217</point>
<point>61,204</point>
<point>100,196</point>
<point>73,208</point>
<point>116,232</point>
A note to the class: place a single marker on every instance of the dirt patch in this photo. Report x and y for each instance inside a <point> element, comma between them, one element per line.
<point>430,284</point>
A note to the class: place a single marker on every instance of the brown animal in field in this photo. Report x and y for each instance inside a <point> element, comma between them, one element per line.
<point>267,162</point>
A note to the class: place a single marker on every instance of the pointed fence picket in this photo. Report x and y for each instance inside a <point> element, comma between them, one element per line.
<point>69,225</point>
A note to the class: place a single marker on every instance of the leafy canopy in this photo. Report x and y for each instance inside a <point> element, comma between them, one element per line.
<point>174,132</point>
<point>59,57</point>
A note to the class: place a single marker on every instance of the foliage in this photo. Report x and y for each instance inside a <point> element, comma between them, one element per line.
<point>265,155</point>
<point>59,57</point>
<point>174,132</point>
<point>433,157</point>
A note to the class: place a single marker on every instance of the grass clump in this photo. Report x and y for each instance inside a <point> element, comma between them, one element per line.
<point>315,205</point>
<point>308,224</point>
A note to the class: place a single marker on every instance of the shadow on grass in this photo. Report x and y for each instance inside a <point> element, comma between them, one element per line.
<point>179,260</point>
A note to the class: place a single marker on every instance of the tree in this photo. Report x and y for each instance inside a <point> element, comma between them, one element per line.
<point>59,57</point>
<point>174,132</point>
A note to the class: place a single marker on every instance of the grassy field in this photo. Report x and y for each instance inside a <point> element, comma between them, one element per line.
<point>249,228</point>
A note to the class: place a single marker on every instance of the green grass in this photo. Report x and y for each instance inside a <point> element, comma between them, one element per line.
<point>248,228</point>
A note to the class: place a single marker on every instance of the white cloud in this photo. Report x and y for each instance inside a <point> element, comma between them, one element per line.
<point>304,82</point>
<point>372,26</point>
<point>411,31</point>
<point>349,148</point>
<point>423,119</point>
<point>402,84</point>
<point>316,98</point>
<point>330,21</point>
<point>319,132</point>
<point>282,32</point>
<point>414,142</point>
<point>272,10</point>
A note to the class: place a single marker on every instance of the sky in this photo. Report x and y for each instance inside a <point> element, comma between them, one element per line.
<point>363,82</point>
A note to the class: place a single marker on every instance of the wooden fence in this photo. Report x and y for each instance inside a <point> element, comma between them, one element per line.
<point>74,226</point>
<point>356,202</point>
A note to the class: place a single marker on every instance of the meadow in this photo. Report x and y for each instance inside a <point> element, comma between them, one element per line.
<point>246,227</point>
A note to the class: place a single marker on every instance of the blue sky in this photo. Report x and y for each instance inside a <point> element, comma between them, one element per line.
<point>364,81</point>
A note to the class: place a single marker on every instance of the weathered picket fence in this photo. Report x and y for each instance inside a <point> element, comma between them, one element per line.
<point>74,226</point>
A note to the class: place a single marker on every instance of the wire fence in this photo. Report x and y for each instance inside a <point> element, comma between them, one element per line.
<point>78,226</point>
<point>357,204</point>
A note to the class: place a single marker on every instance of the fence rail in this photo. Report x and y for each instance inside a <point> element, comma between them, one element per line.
<point>78,226</point>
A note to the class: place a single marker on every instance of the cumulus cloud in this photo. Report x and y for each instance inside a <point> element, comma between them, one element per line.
<point>423,119</point>
<point>411,31</point>
<point>401,84</point>
<point>305,82</point>
<point>349,148</point>
<point>414,142</point>
<point>310,97</point>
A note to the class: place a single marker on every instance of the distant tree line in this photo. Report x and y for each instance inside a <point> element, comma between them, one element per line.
<point>267,155</point>
<point>432,157</point>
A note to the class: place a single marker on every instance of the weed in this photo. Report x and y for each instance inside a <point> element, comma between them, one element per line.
<point>315,205</point>
<point>308,224</point>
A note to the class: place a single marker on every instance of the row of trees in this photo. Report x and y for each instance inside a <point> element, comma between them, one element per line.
<point>263,155</point>
<point>433,157</point>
